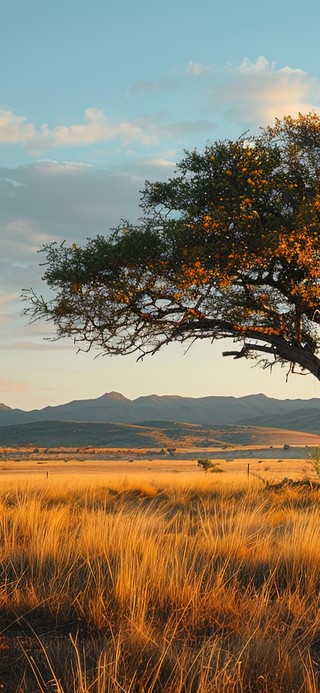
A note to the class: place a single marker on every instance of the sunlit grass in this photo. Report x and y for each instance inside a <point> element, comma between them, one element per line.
<point>164,583</point>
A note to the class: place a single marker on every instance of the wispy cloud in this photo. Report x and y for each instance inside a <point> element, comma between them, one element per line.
<point>36,346</point>
<point>160,163</point>
<point>8,385</point>
<point>7,300</point>
<point>184,127</point>
<point>149,87</point>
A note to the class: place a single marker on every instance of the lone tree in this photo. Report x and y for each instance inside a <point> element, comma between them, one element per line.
<point>228,247</point>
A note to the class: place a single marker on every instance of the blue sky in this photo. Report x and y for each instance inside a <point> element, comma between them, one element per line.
<point>95,98</point>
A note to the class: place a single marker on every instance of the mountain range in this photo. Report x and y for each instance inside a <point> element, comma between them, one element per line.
<point>113,407</point>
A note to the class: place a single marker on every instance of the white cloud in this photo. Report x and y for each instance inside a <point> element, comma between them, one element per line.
<point>14,128</point>
<point>252,92</point>
<point>261,65</point>
<point>96,127</point>
<point>258,92</point>
<point>197,69</point>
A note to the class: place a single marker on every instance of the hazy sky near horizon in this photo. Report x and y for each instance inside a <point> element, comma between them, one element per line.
<point>96,98</point>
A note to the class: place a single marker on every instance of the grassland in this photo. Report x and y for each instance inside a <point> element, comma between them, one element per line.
<point>153,581</point>
<point>159,434</point>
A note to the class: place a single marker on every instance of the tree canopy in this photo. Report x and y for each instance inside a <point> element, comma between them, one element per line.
<point>228,247</point>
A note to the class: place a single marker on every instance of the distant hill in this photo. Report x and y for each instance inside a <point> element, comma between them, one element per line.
<point>112,407</point>
<point>151,434</point>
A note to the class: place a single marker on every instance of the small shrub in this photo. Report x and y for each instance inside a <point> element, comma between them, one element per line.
<point>209,466</point>
<point>314,459</point>
<point>216,469</point>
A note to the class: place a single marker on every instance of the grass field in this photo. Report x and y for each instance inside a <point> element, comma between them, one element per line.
<point>150,580</point>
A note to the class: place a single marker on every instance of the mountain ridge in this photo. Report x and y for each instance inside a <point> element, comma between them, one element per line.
<point>113,407</point>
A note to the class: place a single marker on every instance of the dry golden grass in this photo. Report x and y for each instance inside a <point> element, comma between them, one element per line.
<point>175,583</point>
<point>131,464</point>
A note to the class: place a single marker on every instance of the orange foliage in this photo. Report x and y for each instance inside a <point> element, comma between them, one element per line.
<point>195,274</point>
